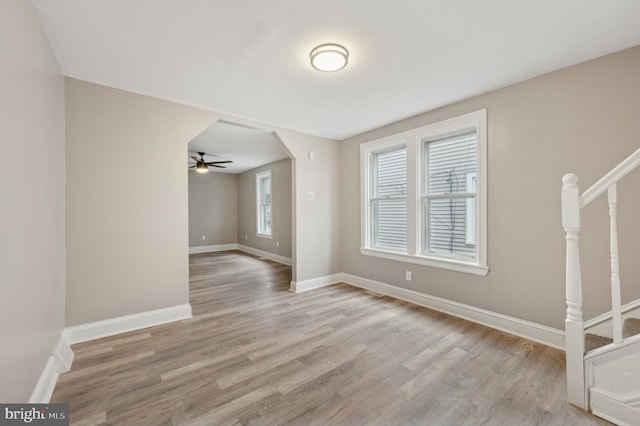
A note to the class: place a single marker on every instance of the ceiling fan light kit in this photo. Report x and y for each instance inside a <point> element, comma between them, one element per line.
<point>202,166</point>
<point>329,57</point>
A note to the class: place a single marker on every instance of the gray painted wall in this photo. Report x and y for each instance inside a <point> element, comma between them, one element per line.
<point>32,252</point>
<point>127,220</point>
<point>316,247</point>
<point>583,119</point>
<point>127,208</point>
<point>127,233</point>
<point>213,208</point>
<point>281,208</point>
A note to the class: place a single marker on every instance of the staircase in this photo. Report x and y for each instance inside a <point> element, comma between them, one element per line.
<point>592,341</point>
<point>603,367</point>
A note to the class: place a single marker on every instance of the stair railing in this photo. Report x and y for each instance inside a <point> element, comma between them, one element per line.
<point>572,203</point>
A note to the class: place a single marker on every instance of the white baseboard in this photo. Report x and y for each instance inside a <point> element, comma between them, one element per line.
<point>62,353</point>
<point>265,254</point>
<point>226,247</point>
<point>213,248</point>
<point>306,285</point>
<point>618,409</point>
<point>529,330</point>
<point>46,384</point>
<point>124,324</point>
<point>58,362</point>
<point>61,356</point>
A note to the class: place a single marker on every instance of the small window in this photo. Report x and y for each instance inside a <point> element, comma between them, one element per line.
<point>263,202</point>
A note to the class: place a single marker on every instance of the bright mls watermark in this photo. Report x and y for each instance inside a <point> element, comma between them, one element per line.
<point>34,414</point>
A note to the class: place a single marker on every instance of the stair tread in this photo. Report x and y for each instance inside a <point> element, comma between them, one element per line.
<point>594,341</point>
<point>631,327</point>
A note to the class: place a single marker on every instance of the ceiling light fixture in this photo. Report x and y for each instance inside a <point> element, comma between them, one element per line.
<point>202,168</point>
<point>329,57</point>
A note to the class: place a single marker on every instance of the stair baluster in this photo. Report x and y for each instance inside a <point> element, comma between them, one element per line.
<point>572,203</point>
<point>616,309</point>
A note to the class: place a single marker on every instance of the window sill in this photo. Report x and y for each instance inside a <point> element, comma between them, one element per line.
<point>452,265</point>
<point>264,235</point>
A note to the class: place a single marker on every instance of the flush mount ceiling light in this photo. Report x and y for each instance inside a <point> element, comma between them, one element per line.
<point>329,57</point>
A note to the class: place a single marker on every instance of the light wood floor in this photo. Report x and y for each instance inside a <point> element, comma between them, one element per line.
<point>255,353</point>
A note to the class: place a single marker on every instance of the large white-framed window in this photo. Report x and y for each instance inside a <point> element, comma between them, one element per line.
<point>424,195</point>
<point>263,204</point>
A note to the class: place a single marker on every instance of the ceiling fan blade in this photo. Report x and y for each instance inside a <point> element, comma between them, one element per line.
<point>193,167</point>
<point>211,163</point>
<point>196,158</point>
<point>215,165</point>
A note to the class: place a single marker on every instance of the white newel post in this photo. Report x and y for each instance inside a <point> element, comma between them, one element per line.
<point>574,325</point>
<point>616,309</point>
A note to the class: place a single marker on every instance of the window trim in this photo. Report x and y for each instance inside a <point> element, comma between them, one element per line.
<point>259,177</point>
<point>414,142</point>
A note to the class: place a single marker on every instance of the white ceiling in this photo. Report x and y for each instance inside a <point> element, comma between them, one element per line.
<point>249,58</point>
<point>247,147</point>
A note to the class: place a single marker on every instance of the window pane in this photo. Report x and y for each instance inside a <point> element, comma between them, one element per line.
<point>264,206</point>
<point>447,233</point>
<point>390,223</point>
<point>267,219</point>
<point>390,174</point>
<point>266,182</point>
<point>471,209</point>
<point>449,161</point>
<point>389,214</point>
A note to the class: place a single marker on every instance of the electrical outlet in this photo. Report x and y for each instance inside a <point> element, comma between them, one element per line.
<point>277,243</point>
<point>246,237</point>
<point>204,237</point>
<point>407,275</point>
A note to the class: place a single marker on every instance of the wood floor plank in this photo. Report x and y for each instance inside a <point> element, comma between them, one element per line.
<point>255,353</point>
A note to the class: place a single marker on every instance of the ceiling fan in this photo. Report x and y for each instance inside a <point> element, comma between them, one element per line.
<point>202,166</point>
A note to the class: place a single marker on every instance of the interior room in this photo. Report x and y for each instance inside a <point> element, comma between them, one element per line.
<point>321,212</point>
<point>223,209</point>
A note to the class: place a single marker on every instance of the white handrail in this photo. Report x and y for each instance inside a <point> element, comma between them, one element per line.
<point>572,204</point>
<point>610,178</point>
